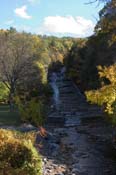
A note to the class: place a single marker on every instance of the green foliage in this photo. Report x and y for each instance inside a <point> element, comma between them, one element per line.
<point>114,113</point>
<point>106,95</point>
<point>31,111</point>
<point>24,62</point>
<point>4,92</point>
<point>75,59</point>
<point>98,49</point>
<point>107,22</point>
<point>47,91</point>
<point>18,155</point>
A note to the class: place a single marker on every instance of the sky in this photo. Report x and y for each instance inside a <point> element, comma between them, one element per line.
<point>50,17</point>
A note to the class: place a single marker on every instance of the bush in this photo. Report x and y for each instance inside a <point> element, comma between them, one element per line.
<point>31,111</point>
<point>18,156</point>
<point>4,93</point>
<point>106,95</point>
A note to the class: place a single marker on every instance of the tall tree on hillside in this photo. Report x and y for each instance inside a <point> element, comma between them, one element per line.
<point>107,22</point>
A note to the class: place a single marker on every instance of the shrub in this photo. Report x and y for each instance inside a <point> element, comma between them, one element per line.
<point>32,110</point>
<point>106,95</point>
<point>18,156</point>
<point>4,92</point>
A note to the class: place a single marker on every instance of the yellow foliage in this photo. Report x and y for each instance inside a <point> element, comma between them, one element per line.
<point>43,72</point>
<point>108,72</point>
<point>17,154</point>
<point>106,95</point>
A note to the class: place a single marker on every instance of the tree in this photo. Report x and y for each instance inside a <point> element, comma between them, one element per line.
<point>16,59</point>
<point>107,22</point>
<point>100,1</point>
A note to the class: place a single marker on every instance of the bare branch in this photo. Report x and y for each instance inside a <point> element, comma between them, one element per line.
<point>90,2</point>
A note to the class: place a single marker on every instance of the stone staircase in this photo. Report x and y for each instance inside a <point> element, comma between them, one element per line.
<point>79,141</point>
<point>72,105</point>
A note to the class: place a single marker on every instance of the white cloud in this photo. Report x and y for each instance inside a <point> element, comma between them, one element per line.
<point>68,25</point>
<point>22,12</point>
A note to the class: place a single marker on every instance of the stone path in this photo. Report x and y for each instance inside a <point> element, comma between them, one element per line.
<point>79,140</point>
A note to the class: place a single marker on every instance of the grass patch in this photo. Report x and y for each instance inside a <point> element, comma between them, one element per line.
<point>8,117</point>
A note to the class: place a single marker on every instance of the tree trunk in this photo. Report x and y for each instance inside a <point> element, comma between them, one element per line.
<point>11,104</point>
<point>11,99</point>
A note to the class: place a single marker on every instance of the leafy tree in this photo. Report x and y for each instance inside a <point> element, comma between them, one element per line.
<point>16,59</point>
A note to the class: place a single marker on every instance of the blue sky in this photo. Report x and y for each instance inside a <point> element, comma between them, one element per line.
<point>51,17</point>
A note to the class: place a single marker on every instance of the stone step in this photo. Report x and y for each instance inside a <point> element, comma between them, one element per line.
<point>78,107</point>
<point>64,84</point>
<point>72,121</point>
<point>55,121</point>
<point>71,104</point>
<point>74,103</point>
<point>81,113</point>
<point>71,97</point>
<point>65,87</point>
<point>67,92</point>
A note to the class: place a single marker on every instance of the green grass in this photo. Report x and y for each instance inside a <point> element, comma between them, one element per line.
<point>8,117</point>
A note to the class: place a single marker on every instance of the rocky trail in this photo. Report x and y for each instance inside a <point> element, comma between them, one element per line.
<point>79,140</point>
